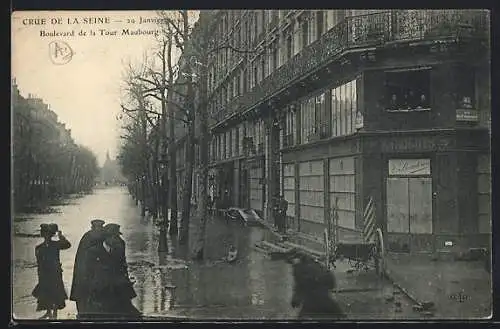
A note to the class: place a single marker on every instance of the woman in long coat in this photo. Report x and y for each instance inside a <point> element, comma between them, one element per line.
<point>49,292</point>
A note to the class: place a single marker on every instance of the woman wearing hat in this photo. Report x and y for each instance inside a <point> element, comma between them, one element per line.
<point>49,292</point>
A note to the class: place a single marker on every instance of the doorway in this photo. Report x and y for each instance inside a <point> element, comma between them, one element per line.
<point>409,205</point>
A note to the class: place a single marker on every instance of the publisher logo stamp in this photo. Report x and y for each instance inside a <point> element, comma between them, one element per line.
<point>60,52</point>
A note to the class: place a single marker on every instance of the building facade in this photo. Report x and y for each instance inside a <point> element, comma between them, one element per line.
<point>332,107</point>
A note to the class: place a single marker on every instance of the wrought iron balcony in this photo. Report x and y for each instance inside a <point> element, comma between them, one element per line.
<point>372,30</point>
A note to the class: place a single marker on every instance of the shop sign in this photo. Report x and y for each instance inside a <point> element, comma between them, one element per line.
<point>409,167</point>
<point>413,144</point>
<point>467,115</point>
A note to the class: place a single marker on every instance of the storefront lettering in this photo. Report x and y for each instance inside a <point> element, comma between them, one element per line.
<point>414,144</point>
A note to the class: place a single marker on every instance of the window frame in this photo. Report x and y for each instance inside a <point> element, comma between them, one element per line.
<point>400,106</point>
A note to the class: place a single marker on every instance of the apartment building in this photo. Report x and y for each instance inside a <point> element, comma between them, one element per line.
<point>333,107</point>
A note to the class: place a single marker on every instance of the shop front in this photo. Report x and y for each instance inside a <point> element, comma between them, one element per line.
<point>426,192</point>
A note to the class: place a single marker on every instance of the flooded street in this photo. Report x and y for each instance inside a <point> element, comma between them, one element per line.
<point>254,287</point>
<point>165,285</point>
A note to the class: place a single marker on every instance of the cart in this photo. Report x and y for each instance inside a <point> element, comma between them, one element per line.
<point>364,249</point>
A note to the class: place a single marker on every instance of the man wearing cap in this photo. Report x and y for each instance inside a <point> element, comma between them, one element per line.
<point>79,285</point>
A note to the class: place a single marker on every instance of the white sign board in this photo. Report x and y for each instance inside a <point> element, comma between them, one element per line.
<point>409,167</point>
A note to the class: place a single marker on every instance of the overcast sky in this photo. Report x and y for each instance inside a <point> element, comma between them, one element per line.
<point>85,91</point>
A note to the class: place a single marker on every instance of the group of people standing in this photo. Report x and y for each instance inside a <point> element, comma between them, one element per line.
<point>101,286</point>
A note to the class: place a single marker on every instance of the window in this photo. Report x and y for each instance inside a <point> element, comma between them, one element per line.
<point>408,90</point>
<point>230,91</point>
<point>263,66</point>
<point>238,82</point>
<point>289,46</point>
<point>321,122</point>
<point>289,187</point>
<point>221,147</point>
<point>290,134</point>
<point>305,33</point>
<point>341,116</point>
<point>264,20</point>
<point>465,87</point>
<point>347,108</point>
<point>311,191</point>
<point>244,31</point>
<point>343,109</point>
<point>274,16</point>
<point>319,23</point>
<point>227,139</point>
<point>242,82</point>
<point>274,56</point>
<point>484,193</point>
<point>342,194</point>
<point>255,26</point>
<point>255,73</point>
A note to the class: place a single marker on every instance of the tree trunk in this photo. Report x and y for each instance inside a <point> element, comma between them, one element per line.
<point>173,229</point>
<point>188,187</point>
<point>198,251</point>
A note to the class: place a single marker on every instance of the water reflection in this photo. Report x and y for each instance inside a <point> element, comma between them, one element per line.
<point>166,283</point>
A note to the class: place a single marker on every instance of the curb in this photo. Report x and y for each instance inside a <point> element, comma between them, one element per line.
<point>400,288</point>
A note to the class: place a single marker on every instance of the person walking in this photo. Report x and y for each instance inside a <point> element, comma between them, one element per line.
<point>282,209</point>
<point>312,286</point>
<point>111,291</point>
<point>50,292</point>
<point>117,244</point>
<point>79,286</point>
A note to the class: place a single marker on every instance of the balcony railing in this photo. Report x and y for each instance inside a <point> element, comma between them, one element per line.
<point>369,31</point>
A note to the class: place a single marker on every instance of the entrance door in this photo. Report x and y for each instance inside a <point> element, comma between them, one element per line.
<point>409,205</point>
<point>244,188</point>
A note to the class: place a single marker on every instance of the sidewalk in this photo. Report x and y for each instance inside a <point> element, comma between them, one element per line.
<point>458,289</point>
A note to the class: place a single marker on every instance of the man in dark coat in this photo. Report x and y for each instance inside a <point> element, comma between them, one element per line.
<point>113,237</point>
<point>111,289</point>
<point>313,283</point>
<point>79,285</point>
<point>280,209</point>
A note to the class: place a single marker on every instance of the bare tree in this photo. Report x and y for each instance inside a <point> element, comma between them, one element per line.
<point>196,46</point>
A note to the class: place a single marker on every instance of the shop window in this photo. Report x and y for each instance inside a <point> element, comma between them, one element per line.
<point>311,191</point>
<point>484,193</point>
<point>408,90</point>
<point>342,193</point>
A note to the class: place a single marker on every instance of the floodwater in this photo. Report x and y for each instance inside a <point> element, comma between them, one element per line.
<point>169,285</point>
